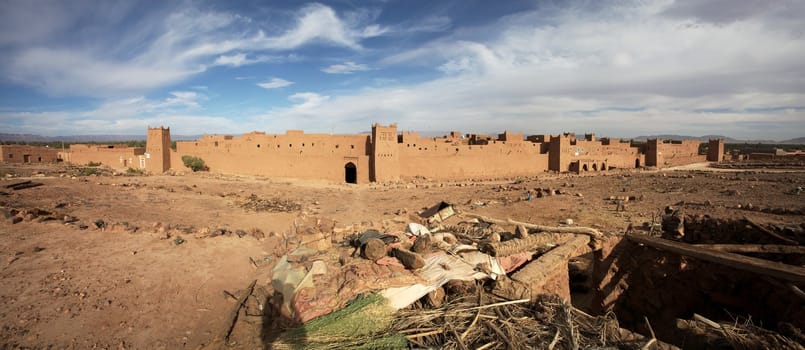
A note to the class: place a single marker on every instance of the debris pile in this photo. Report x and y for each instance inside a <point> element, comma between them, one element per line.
<point>452,280</point>
<point>484,321</point>
<point>272,205</point>
<point>720,268</point>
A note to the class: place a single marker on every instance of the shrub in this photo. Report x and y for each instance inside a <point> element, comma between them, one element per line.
<point>88,171</point>
<point>134,172</point>
<point>194,163</point>
<point>93,164</point>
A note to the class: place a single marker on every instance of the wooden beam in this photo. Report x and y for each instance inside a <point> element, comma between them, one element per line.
<point>754,248</point>
<point>769,232</point>
<point>540,228</point>
<point>786,272</point>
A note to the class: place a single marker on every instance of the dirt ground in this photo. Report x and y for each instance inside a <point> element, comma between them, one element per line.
<point>96,261</point>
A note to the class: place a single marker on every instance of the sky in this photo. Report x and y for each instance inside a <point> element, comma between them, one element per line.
<point>615,68</point>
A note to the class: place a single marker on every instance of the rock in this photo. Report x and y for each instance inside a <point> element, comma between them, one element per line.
<point>408,258</point>
<point>374,249</point>
<point>16,220</point>
<point>423,244</point>
<point>568,222</point>
<point>494,237</point>
<point>521,232</point>
<point>435,298</point>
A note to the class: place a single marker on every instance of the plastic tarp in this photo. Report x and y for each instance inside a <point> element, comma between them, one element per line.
<point>438,270</point>
<point>287,280</point>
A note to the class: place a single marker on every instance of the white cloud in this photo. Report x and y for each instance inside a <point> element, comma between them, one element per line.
<point>623,70</point>
<point>307,100</point>
<point>241,59</point>
<point>163,50</point>
<point>319,23</point>
<point>619,72</point>
<point>275,83</point>
<point>345,68</point>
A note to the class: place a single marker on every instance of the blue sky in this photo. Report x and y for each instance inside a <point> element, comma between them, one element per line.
<point>616,68</point>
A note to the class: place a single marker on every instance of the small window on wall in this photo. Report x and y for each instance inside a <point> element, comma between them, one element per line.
<point>352,146</point>
<point>39,159</point>
<point>11,155</point>
<point>258,145</point>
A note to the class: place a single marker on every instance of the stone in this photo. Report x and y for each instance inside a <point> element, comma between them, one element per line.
<point>408,258</point>
<point>374,249</point>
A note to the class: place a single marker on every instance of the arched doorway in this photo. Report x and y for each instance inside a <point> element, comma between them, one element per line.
<point>350,173</point>
<point>584,167</point>
<point>603,166</point>
<point>595,167</point>
<point>637,163</point>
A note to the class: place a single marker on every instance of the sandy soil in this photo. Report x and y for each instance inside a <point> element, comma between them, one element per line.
<point>129,285</point>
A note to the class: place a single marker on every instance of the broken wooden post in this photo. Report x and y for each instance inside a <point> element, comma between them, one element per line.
<point>233,316</point>
<point>754,248</point>
<point>769,232</point>
<point>540,228</point>
<point>764,267</point>
<point>539,243</point>
<point>532,278</point>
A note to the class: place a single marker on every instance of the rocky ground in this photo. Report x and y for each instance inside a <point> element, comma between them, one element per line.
<point>129,261</point>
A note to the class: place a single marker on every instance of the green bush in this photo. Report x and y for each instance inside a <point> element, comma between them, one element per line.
<point>88,171</point>
<point>135,172</point>
<point>194,163</point>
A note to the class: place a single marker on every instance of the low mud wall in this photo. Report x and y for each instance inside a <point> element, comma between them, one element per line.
<point>636,281</point>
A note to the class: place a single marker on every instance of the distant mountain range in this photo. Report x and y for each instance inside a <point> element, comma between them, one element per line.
<point>727,139</point>
<point>123,138</point>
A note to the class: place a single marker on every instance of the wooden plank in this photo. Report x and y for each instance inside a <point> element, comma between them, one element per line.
<point>18,184</point>
<point>540,228</point>
<point>786,272</point>
<point>754,248</point>
<point>769,232</point>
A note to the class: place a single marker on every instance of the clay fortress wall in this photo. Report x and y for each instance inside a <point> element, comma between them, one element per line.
<point>388,155</point>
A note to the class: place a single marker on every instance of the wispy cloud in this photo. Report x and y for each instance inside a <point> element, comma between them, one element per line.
<point>345,68</point>
<point>307,100</point>
<point>621,72</point>
<point>275,83</point>
<point>172,47</point>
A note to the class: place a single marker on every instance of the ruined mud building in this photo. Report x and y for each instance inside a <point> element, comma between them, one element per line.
<point>387,155</point>
<point>28,154</point>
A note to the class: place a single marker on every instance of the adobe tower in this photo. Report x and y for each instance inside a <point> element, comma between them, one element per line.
<point>157,150</point>
<point>715,150</point>
<point>385,161</point>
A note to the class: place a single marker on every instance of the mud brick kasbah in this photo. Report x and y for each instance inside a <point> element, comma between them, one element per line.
<point>385,154</point>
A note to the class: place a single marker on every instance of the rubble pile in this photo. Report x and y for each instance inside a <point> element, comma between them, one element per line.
<point>451,280</point>
<point>272,205</point>
<point>457,280</point>
<point>712,268</point>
